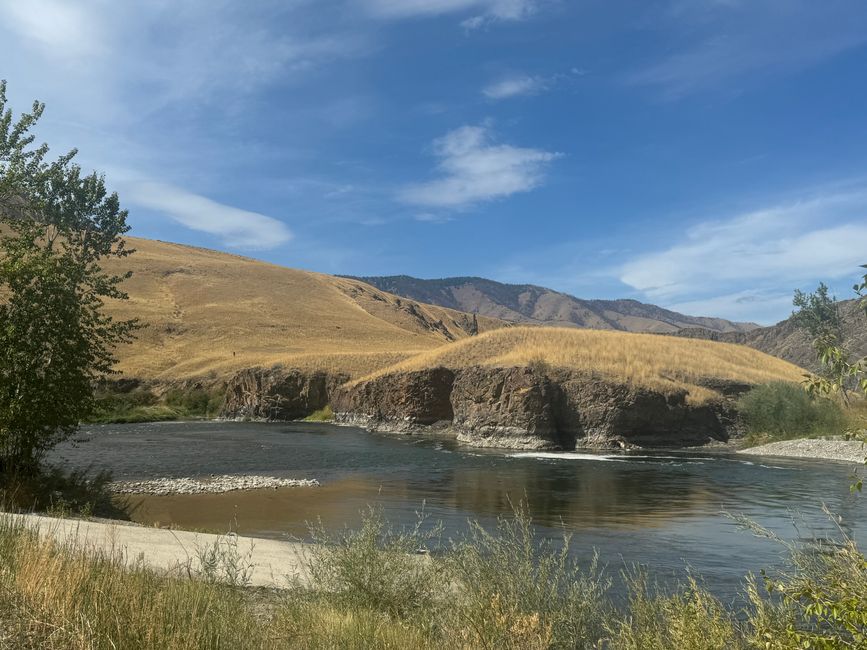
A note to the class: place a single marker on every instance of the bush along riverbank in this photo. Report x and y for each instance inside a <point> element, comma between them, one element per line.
<point>132,401</point>
<point>371,588</point>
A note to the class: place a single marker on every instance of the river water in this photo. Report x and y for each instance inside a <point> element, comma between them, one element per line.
<point>666,510</point>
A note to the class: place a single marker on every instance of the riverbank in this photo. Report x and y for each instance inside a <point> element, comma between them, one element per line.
<point>849,451</point>
<point>85,584</point>
<point>263,562</point>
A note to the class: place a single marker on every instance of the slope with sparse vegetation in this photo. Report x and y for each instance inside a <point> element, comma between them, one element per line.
<point>210,314</point>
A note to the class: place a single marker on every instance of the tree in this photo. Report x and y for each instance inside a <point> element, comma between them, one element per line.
<point>818,315</point>
<point>56,226</point>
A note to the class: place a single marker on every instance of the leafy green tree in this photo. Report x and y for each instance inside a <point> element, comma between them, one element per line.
<point>56,226</point>
<point>818,315</point>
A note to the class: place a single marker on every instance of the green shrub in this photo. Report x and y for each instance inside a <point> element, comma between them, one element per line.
<point>689,618</point>
<point>517,592</point>
<point>377,567</point>
<point>782,410</point>
<point>143,405</point>
<point>819,602</point>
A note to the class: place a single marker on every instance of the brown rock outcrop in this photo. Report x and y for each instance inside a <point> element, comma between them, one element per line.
<point>397,402</point>
<point>506,407</point>
<point>530,408</point>
<point>278,394</point>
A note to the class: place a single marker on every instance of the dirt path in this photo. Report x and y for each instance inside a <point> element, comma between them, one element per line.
<point>269,563</point>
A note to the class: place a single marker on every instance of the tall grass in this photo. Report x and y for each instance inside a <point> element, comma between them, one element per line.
<point>495,588</point>
<point>52,595</point>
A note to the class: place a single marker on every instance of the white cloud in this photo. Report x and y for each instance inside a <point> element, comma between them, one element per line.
<point>515,86</point>
<point>771,251</point>
<point>486,10</point>
<point>143,56</point>
<point>235,227</point>
<point>476,169</point>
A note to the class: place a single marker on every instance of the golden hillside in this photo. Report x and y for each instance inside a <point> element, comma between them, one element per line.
<point>212,313</point>
<point>655,361</point>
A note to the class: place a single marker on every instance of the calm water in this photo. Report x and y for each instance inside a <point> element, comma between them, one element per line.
<point>664,510</point>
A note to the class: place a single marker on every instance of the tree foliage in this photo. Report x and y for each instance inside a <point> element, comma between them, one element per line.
<point>56,226</point>
<point>818,315</point>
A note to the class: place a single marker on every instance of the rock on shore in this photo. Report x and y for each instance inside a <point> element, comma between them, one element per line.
<point>850,451</point>
<point>211,485</point>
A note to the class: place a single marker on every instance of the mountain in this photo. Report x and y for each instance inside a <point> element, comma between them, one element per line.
<point>786,341</point>
<point>530,304</point>
<point>212,313</point>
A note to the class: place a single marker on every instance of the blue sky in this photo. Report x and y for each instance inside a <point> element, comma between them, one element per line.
<point>705,155</point>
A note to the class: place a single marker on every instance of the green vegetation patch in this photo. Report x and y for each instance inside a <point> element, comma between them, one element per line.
<point>141,404</point>
<point>322,415</point>
<point>782,410</point>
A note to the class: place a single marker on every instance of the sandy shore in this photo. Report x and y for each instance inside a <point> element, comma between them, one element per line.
<point>850,451</point>
<point>270,563</point>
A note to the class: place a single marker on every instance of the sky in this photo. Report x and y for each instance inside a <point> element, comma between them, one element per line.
<point>708,156</point>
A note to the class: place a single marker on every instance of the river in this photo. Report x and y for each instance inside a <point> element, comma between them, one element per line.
<point>666,510</point>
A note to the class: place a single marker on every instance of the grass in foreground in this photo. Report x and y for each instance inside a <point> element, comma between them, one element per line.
<point>659,362</point>
<point>492,589</point>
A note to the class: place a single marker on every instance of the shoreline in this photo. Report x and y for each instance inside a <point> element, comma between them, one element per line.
<point>212,485</point>
<point>270,563</point>
<point>845,451</point>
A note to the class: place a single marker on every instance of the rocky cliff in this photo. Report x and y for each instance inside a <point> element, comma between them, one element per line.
<point>526,408</point>
<point>517,408</point>
<point>277,394</point>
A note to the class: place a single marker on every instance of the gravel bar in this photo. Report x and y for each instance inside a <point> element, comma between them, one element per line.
<point>211,485</point>
<point>851,451</point>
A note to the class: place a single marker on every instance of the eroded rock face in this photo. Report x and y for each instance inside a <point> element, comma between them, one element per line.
<point>397,402</point>
<point>506,407</point>
<point>531,409</point>
<point>518,408</point>
<point>602,412</point>
<point>278,394</point>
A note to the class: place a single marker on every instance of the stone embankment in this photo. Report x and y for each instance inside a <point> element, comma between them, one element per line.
<point>517,407</point>
<point>211,485</point>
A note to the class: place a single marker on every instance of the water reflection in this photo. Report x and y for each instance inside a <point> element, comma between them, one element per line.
<point>663,510</point>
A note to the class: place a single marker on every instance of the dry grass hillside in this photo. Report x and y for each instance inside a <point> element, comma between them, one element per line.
<point>211,313</point>
<point>659,362</point>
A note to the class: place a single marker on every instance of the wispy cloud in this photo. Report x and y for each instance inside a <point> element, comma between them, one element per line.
<point>733,40</point>
<point>236,228</point>
<point>483,10</point>
<point>474,169</point>
<point>516,85</point>
<point>121,80</point>
<point>771,251</point>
